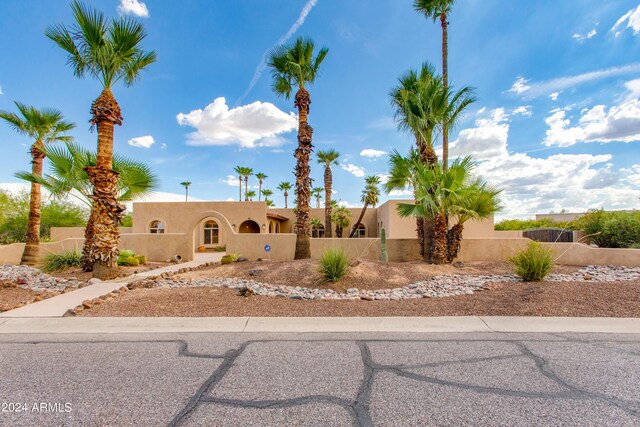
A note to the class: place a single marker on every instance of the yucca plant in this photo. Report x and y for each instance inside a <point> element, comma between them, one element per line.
<point>334,264</point>
<point>61,261</point>
<point>534,263</point>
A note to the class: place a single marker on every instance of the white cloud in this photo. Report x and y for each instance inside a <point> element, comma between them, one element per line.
<point>15,187</point>
<point>523,110</point>
<point>230,199</point>
<point>520,86</point>
<point>632,174</point>
<point>632,18</point>
<point>633,86</point>
<point>142,141</point>
<point>583,37</point>
<point>487,140</point>
<point>353,169</point>
<point>253,125</point>
<point>231,180</point>
<point>384,178</point>
<point>163,146</point>
<point>620,123</point>
<point>1,92</point>
<point>554,96</point>
<point>133,7</point>
<point>561,83</point>
<point>346,204</point>
<point>370,152</point>
<point>401,193</point>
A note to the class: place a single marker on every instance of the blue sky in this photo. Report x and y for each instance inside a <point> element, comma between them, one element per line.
<point>557,122</point>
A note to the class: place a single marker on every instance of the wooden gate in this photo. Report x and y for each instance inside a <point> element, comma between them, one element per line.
<point>549,235</point>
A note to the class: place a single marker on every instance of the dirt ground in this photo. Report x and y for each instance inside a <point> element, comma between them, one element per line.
<point>621,299</point>
<point>78,274</point>
<point>366,275</point>
<point>12,296</point>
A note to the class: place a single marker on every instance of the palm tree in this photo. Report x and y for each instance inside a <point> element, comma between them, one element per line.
<point>328,158</point>
<point>270,203</point>
<point>110,51</point>
<point>440,9</point>
<point>68,177</point>
<point>341,217</point>
<point>317,193</point>
<point>370,196</point>
<point>267,193</point>
<point>296,65</point>
<point>316,225</point>
<point>238,170</point>
<point>43,126</point>
<point>251,194</point>
<point>261,177</point>
<point>285,186</point>
<point>186,185</point>
<point>246,173</point>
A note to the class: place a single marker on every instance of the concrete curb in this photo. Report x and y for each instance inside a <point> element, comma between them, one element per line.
<point>78,325</point>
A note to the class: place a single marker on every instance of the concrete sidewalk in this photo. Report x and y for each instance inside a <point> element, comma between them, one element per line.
<point>58,306</point>
<point>317,324</point>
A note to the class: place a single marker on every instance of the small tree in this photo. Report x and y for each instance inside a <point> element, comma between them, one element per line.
<point>186,185</point>
<point>285,186</point>
<point>370,196</point>
<point>341,217</point>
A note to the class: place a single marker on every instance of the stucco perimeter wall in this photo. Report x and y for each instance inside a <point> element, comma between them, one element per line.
<point>11,254</point>
<point>158,247</point>
<point>283,246</point>
<point>369,220</point>
<point>403,250</point>
<point>364,248</point>
<point>497,249</point>
<point>61,233</point>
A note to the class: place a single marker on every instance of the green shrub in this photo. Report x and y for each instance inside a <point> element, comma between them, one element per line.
<point>124,256</point>
<point>226,259</point>
<point>131,262</point>
<point>234,257</point>
<point>141,259</point>
<point>530,224</point>
<point>334,264</point>
<point>220,248</point>
<point>611,229</point>
<point>62,261</point>
<point>534,263</point>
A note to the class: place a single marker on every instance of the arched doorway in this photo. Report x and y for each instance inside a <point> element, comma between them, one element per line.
<point>211,233</point>
<point>249,226</point>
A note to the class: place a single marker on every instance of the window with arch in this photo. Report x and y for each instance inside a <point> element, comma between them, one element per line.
<point>317,231</point>
<point>361,231</point>
<point>211,233</point>
<point>156,227</point>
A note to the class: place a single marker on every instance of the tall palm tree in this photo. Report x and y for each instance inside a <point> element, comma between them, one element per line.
<point>246,173</point>
<point>109,51</point>
<point>267,193</point>
<point>440,9</point>
<point>261,177</point>
<point>296,65</point>
<point>251,194</point>
<point>285,186</point>
<point>370,196</point>
<point>328,158</point>
<point>43,126</point>
<point>317,193</point>
<point>238,170</point>
<point>68,177</point>
<point>186,185</point>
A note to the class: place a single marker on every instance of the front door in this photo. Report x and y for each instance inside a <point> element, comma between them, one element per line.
<point>211,233</point>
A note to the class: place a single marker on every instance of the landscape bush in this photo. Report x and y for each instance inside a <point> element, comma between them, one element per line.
<point>334,264</point>
<point>534,263</point>
<point>61,261</point>
<point>611,229</point>
<point>530,224</point>
<point>141,259</point>
<point>131,262</point>
<point>128,258</point>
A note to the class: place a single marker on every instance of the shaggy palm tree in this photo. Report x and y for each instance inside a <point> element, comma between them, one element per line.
<point>440,9</point>
<point>370,196</point>
<point>109,51</point>
<point>328,158</point>
<point>246,173</point>
<point>285,186</point>
<point>483,202</point>
<point>261,177</point>
<point>69,177</point>
<point>317,193</point>
<point>341,217</point>
<point>251,194</point>
<point>238,170</point>
<point>43,126</point>
<point>297,65</point>
<point>186,185</point>
<point>316,225</point>
<point>267,193</point>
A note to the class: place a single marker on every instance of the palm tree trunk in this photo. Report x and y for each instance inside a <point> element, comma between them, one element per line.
<point>454,238</point>
<point>445,82</point>
<point>355,226</point>
<point>439,244</point>
<point>106,212</point>
<point>303,183</point>
<point>260,190</point>
<point>186,193</point>
<point>246,188</point>
<point>328,183</point>
<point>425,226</point>
<point>285,200</point>
<point>31,254</point>
<point>240,193</point>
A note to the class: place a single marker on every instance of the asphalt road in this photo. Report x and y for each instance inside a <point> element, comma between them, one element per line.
<point>320,379</point>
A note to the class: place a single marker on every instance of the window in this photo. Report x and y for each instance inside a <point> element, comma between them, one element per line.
<point>156,227</point>
<point>211,233</point>
<point>317,231</point>
<point>361,231</point>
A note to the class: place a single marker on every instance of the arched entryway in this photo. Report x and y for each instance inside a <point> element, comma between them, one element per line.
<point>249,226</point>
<point>211,235</point>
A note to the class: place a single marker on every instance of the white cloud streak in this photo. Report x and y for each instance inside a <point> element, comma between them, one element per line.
<point>353,169</point>
<point>372,153</point>
<point>133,7</point>
<point>583,37</point>
<point>142,141</point>
<point>263,61</point>
<point>632,18</point>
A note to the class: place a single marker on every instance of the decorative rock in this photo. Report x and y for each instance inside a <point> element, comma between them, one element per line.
<point>87,304</point>
<point>255,272</point>
<point>94,280</point>
<point>242,259</point>
<point>458,264</point>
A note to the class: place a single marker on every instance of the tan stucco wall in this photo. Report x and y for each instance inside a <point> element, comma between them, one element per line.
<point>61,233</point>
<point>365,248</point>
<point>403,250</point>
<point>369,220</point>
<point>158,247</point>
<point>283,246</point>
<point>11,254</point>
